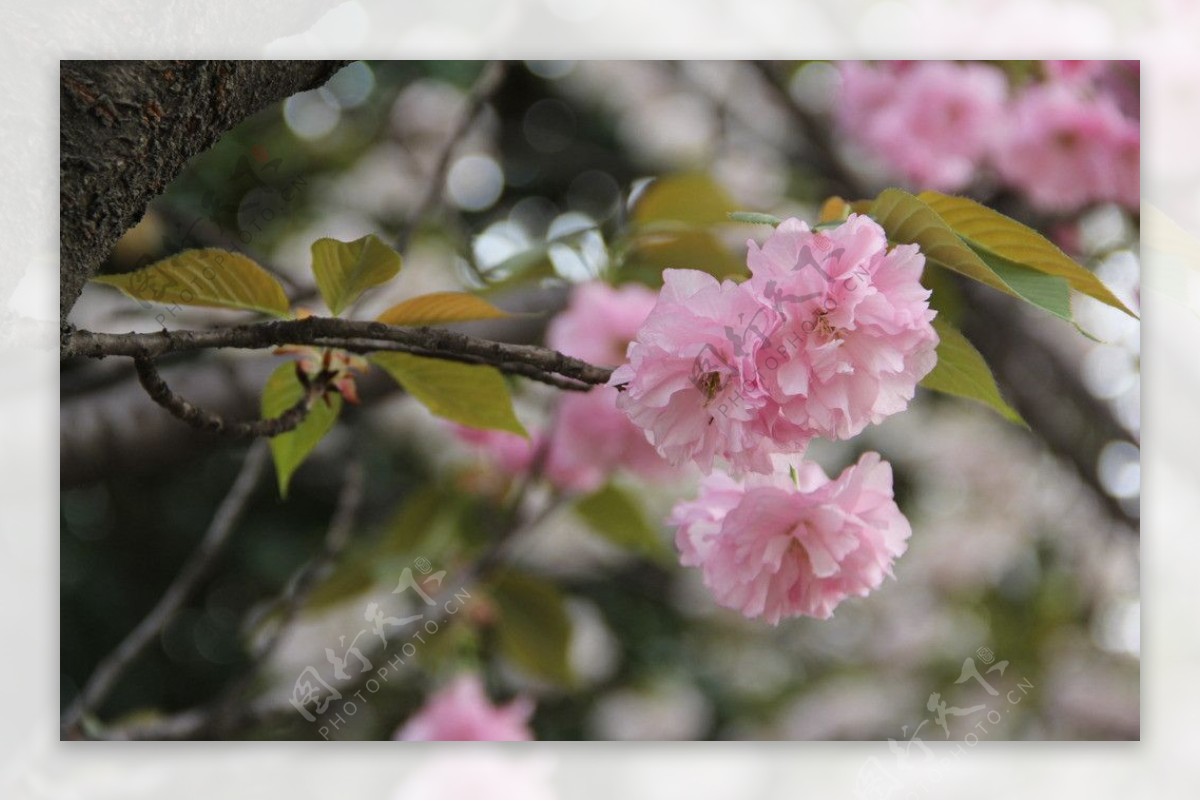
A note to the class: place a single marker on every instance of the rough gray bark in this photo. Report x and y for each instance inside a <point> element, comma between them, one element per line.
<point>127,129</point>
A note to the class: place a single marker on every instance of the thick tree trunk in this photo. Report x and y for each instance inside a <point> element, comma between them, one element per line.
<point>129,127</point>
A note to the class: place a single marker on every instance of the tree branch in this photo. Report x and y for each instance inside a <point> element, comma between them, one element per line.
<point>232,710</point>
<point>112,667</point>
<point>485,86</point>
<point>359,336</point>
<point>829,164</point>
<point>225,711</point>
<point>196,417</point>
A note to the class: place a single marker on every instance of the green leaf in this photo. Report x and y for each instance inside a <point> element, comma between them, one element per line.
<point>208,277</point>
<point>472,394</point>
<point>1049,292</point>
<point>534,631</point>
<point>692,198</point>
<point>614,515</point>
<point>961,371</point>
<point>344,270</point>
<point>989,230</point>
<point>754,218</point>
<point>427,524</point>
<point>908,219</point>
<point>438,308</point>
<point>282,391</point>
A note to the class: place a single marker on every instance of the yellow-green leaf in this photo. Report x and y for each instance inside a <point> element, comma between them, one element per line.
<point>438,308</point>
<point>961,371</point>
<point>208,277</point>
<point>472,394</point>
<point>614,515</point>
<point>909,219</point>
<point>282,391</point>
<point>344,270</point>
<point>692,198</point>
<point>534,630</point>
<point>987,229</point>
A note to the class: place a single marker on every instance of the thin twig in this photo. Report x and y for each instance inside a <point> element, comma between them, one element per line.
<point>357,335</point>
<point>204,420</point>
<point>113,667</point>
<point>485,86</point>
<point>829,163</point>
<point>225,712</point>
<point>301,585</point>
<point>231,712</point>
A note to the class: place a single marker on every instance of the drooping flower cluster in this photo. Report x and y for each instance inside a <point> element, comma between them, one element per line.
<point>831,333</point>
<point>1067,140</point>
<point>784,545</point>
<point>589,438</point>
<point>462,711</point>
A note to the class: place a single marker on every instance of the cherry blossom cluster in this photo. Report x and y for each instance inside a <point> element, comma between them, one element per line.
<point>831,333</point>
<point>1065,137</point>
<point>783,545</point>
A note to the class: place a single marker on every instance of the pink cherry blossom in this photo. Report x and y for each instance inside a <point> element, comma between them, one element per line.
<point>600,321</point>
<point>590,437</point>
<point>462,711</point>
<point>855,335</point>
<point>593,438</point>
<point>1065,150</point>
<point>692,380</point>
<point>775,548</point>
<point>590,440</point>
<point>699,521</point>
<point>510,453</point>
<point>931,122</point>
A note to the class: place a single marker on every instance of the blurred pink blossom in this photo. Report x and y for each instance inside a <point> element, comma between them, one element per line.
<point>1073,71</point>
<point>1065,150</point>
<point>600,321</point>
<point>510,453</point>
<point>775,548</point>
<point>931,122</point>
<point>591,438</point>
<point>462,711</point>
<point>856,334</point>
